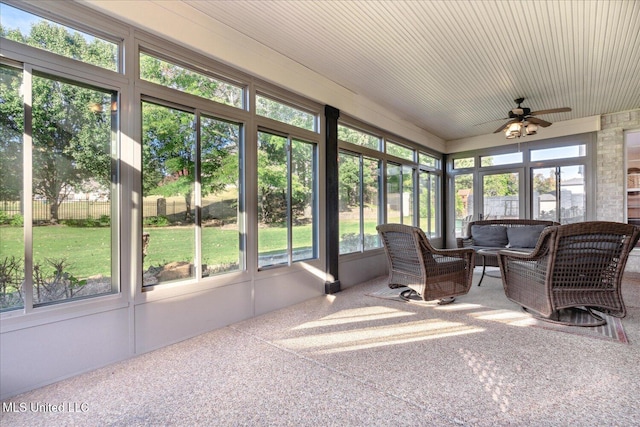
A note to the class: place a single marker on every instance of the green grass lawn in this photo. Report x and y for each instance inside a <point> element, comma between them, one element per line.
<point>87,250</point>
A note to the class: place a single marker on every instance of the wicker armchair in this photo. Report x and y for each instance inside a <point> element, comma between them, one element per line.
<point>429,273</point>
<point>574,266</point>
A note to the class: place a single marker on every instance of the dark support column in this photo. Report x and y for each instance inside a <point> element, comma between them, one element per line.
<point>445,206</point>
<point>332,237</point>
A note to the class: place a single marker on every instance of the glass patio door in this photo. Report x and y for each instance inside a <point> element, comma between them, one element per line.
<point>558,194</point>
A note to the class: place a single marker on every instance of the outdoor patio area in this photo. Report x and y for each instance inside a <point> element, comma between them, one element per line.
<point>361,357</point>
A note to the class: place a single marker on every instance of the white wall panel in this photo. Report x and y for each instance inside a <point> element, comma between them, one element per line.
<point>360,269</point>
<point>170,320</point>
<point>286,289</point>
<point>36,356</point>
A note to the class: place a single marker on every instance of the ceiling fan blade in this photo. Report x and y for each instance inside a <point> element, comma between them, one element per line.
<point>539,122</point>
<point>491,121</point>
<point>553,110</point>
<point>501,128</point>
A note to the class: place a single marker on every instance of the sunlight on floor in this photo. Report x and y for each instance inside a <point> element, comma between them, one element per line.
<point>509,317</point>
<point>488,373</point>
<point>378,336</point>
<point>365,314</point>
<point>458,306</point>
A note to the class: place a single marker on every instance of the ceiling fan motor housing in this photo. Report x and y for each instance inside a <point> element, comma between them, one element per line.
<point>519,112</point>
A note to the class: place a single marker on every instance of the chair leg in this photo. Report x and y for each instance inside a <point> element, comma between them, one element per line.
<point>411,295</point>
<point>556,317</point>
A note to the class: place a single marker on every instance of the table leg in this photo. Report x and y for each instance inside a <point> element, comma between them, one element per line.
<point>484,266</point>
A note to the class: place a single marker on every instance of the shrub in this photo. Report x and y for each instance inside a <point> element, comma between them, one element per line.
<point>17,220</point>
<point>4,218</point>
<point>91,222</point>
<point>55,283</point>
<point>11,278</point>
<point>104,221</point>
<point>156,221</point>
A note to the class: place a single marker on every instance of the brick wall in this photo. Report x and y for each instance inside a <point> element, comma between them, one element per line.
<point>610,188</point>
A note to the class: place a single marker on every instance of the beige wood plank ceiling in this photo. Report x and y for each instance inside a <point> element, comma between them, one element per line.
<point>448,66</point>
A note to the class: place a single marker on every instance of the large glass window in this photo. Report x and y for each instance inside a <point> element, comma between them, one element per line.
<point>427,160</point>
<point>284,113</point>
<point>360,138</point>
<point>73,130</point>
<point>400,151</point>
<point>467,162</point>
<point>174,76</point>
<point>501,195</point>
<point>286,205</point>
<point>501,159</point>
<point>191,194</point>
<point>220,196</point>
<point>359,195</point>
<point>35,31</point>
<point>370,202</point>
<point>555,153</point>
<point>12,272</point>
<point>349,196</point>
<point>559,194</point>
<point>168,191</point>
<point>400,194</point>
<point>429,203</point>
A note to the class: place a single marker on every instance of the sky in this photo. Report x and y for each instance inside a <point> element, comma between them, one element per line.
<point>12,18</point>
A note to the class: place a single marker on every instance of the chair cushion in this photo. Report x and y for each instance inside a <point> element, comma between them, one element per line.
<point>524,237</point>
<point>489,235</point>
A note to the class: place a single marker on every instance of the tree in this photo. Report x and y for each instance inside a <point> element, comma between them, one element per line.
<point>169,142</point>
<point>169,154</point>
<point>349,181</point>
<point>169,136</point>
<point>504,184</point>
<point>545,185</point>
<point>11,130</point>
<point>71,139</point>
<point>71,124</point>
<point>176,77</point>
<point>273,171</point>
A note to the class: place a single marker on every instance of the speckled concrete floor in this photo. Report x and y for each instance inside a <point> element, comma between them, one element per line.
<point>355,360</point>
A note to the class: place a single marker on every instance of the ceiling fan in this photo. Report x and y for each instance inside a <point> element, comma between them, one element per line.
<point>522,121</point>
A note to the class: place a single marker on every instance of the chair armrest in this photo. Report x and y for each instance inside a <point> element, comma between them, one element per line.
<point>464,242</point>
<point>521,255</point>
<point>466,255</point>
<point>457,253</point>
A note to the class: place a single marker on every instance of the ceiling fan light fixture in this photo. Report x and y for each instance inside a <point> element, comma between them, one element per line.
<point>531,129</point>
<point>513,131</point>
